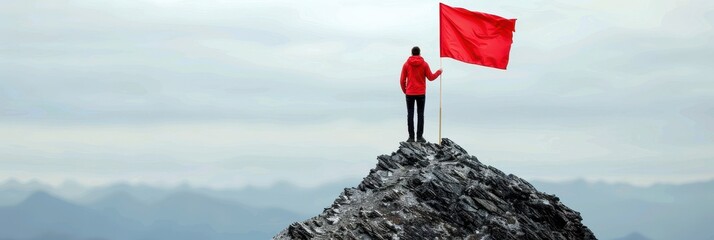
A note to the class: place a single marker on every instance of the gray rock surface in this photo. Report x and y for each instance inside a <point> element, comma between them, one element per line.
<point>431,191</point>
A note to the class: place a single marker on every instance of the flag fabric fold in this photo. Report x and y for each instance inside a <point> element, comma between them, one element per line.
<point>475,37</point>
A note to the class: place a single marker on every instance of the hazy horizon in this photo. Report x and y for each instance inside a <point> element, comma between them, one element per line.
<point>186,184</point>
<point>611,210</point>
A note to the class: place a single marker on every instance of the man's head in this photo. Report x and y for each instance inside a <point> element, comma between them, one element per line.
<point>416,51</point>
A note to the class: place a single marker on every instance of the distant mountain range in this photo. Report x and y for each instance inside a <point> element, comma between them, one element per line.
<point>181,215</point>
<point>37,211</point>
<point>306,201</point>
<point>658,212</point>
<point>633,236</point>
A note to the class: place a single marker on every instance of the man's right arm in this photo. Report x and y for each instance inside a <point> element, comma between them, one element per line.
<point>403,79</point>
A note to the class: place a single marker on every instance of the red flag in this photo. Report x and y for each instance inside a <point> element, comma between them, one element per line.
<point>475,37</point>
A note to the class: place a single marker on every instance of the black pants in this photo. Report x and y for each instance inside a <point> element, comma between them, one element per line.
<point>420,100</point>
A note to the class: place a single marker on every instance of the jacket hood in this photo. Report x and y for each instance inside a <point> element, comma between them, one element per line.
<point>415,61</point>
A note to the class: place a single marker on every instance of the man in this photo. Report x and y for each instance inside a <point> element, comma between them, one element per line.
<point>413,80</point>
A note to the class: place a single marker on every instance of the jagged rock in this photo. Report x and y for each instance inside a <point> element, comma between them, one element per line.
<point>430,191</point>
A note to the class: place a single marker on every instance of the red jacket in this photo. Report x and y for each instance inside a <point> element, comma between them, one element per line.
<point>414,72</point>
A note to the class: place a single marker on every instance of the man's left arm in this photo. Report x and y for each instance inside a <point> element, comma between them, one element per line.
<point>431,76</point>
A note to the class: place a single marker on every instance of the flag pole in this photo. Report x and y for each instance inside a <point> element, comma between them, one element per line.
<point>440,66</point>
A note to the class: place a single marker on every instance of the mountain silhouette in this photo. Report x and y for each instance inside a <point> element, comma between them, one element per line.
<point>633,236</point>
<point>179,216</point>
<point>660,211</point>
<point>44,213</point>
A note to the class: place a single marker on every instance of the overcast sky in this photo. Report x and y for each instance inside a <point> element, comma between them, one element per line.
<point>235,93</point>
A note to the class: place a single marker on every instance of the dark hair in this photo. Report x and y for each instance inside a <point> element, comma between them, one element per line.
<point>416,51</point>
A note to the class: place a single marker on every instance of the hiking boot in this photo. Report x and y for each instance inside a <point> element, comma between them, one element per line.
<point>421,140</point>
<point>410,139</point>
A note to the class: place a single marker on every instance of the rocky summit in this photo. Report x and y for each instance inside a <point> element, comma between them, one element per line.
<point>431,191</point>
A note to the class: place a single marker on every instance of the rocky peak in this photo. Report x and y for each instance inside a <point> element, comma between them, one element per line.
<point>431,191</point>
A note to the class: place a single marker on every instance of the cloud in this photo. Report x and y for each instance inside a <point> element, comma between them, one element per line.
<point>588,81</point>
